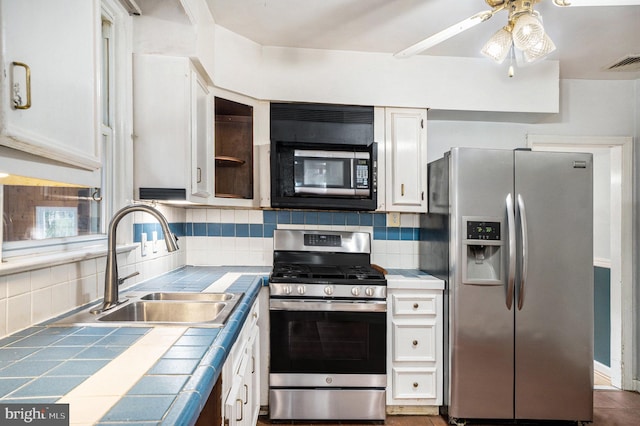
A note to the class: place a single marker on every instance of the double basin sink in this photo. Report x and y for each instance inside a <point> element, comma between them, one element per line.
<point>162,308</point>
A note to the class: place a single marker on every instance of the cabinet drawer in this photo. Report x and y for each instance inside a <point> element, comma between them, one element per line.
<point>412,383</point>
<point>411,304</point>
<point>414,342</point>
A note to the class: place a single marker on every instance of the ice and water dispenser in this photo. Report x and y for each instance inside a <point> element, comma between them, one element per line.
<point>482,247</point>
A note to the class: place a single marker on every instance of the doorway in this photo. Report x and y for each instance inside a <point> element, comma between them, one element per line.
<point>614,178</point>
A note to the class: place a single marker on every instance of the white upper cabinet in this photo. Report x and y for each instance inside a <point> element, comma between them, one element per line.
<point>173,130</point>
<point>50,72</point>
<point>406,159</point>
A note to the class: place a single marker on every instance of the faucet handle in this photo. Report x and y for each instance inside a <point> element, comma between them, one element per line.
<point>121,280</point>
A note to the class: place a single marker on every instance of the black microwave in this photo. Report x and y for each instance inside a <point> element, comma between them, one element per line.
<point>324,176</point>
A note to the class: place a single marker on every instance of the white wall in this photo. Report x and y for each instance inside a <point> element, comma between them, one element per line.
<point>587,108</point>
<point>312,75</point>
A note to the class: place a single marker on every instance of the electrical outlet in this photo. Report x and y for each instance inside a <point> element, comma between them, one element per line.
<point>154,241</point>
<point>393,220</point>
<point>143,244</point>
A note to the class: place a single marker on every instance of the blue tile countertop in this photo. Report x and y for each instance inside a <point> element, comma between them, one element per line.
<point>43,363</point>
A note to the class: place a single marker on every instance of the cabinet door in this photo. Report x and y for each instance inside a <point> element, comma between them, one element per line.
<point>172,126</point>
<point>58,41</point>
<point>238,403</point>
<point>254,381</point>
<point>406,162</point>
<point>201,138</point>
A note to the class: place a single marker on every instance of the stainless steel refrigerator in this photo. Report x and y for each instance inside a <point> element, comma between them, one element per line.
<point>511,232</point>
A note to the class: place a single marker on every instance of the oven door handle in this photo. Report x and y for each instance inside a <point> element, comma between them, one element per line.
<point>328,305</point>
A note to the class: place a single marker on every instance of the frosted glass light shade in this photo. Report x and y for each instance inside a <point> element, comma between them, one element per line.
<point>498,46</point>
<point>539,50</point>
<point>527,32</point>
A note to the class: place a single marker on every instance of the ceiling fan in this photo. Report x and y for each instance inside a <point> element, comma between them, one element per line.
<point>523,34</point>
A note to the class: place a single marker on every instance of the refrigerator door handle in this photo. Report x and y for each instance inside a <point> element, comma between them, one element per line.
<point>511,224</point>
<point>525,250</point>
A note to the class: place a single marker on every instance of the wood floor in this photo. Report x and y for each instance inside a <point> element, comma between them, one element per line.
<point>610,408</point>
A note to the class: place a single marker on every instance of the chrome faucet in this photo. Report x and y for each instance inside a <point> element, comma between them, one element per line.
<point>111,280</point>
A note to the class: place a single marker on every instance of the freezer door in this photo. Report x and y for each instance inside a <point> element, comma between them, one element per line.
<point>481,323</point>
<point>554,303</point>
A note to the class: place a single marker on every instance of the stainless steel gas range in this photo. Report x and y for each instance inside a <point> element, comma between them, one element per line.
<point>327,314</point>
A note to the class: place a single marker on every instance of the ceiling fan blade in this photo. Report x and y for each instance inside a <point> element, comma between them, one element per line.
<point>577,3</point>
<point>447,33</point>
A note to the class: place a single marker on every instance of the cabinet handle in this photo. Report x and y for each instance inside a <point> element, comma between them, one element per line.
<point>402,189</point>
<point>241,410</point>
<point>415,385</point>
<point>415,343</point>
<point>253,365</point>
<point>17,101</point>
<point>416,306</point>
<point>199,171</point>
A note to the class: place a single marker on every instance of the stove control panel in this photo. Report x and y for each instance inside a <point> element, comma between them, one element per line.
<point>322,240</point>
<point>320,291</point>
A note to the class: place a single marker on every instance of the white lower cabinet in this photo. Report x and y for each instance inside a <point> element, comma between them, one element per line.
<point>414,363</point>
<point>241,376</point>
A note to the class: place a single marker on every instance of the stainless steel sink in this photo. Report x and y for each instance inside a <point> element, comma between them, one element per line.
<point>162,308</point>
<point>205,297</point>
<point>174,312</point>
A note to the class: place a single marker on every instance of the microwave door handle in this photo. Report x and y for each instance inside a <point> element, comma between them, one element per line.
<point>353,173</point>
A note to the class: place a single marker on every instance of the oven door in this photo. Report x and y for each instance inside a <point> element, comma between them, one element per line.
<point>327,337</point>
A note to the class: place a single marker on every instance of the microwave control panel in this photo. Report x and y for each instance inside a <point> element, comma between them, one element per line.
<point>362,174</point>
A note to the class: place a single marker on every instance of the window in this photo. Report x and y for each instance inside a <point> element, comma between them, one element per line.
<point>35,213</point>
<point>41,215</point>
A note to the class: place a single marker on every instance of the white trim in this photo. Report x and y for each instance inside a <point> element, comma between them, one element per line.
<point>29,263</point>
<point>602,369</point>
<point>602,263</point>
<point>622,292</point>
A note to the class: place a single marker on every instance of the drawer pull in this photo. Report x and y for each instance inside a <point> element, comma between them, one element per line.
<point>415,385</point>
<point>416,306</point>
<point>415,343</point>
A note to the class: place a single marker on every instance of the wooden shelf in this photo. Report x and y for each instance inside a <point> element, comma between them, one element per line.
<point>226,161</point>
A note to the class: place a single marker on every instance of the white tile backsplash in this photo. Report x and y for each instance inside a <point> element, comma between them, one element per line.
<point>19,312</point>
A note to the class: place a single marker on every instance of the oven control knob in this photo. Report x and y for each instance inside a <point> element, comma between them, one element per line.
<point>369,291</point>
<point>355,291</point>
<point>301,289</point>
<point>286,289</point>
<point>328,290</point>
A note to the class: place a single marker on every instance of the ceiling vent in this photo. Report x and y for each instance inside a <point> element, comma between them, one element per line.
<point>629,63</point>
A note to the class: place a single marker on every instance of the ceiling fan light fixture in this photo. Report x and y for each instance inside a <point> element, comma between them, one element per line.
<point>539,50</point>
<point>498,46</point>
<point>527,31</point>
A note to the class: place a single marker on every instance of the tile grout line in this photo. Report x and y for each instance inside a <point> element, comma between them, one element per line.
<point>93,398</point>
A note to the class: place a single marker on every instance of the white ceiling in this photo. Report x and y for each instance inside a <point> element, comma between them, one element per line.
<point>588,39</point>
